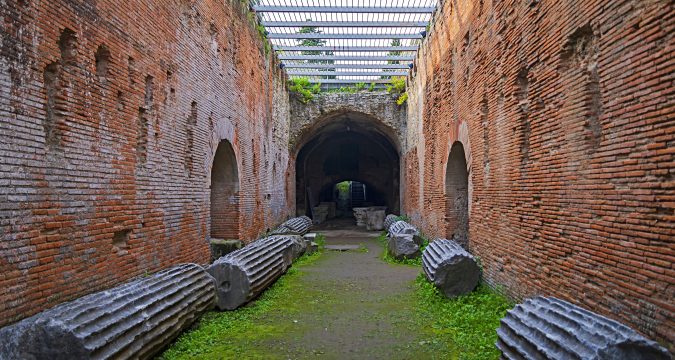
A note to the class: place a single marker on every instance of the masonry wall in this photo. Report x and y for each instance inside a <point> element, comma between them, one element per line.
<point>565,110</point>
<point>111,114</point>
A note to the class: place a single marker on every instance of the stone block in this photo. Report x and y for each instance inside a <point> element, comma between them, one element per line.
<point>331,207</point>
<point>360,215</point>
<point>375,220</point>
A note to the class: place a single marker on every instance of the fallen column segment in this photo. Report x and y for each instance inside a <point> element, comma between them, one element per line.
<point>244,274</point>
<point>404,241</point>
<point>135,320</point>
<point>295,226</point>
<point>389,220</point>
<point>549,328</point>
<point>450,268</point>
<point>403,228</point>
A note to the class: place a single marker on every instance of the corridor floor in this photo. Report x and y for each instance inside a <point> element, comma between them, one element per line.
<point>349,305</point>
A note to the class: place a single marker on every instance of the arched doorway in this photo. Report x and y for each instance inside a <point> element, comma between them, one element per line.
<point>457,196</point>
<point>224,193</point>
<point>352,147</point>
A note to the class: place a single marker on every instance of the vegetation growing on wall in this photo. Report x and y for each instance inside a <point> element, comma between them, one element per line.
<point>304,89</point>
<point>397,86</point>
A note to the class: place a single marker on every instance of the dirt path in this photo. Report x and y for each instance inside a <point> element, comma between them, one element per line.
<point>364,306</point>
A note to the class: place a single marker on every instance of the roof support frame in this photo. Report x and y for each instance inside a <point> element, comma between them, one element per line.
<point>344,66</point>
<point>342,36</point>
<point>347,73</point>
<point>343,9</point>
<point>346,48</point>
<point>347,58</point>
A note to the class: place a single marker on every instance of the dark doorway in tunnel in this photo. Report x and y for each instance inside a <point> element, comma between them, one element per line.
<point>346,195</point>
<point>347,150</point>
<point>457,196</point>
<point>225,193</point>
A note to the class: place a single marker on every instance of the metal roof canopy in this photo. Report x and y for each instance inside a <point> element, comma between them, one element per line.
<point>350,41</point>
<point>343,9</point>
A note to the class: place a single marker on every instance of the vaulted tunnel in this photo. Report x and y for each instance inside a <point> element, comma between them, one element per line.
<point>348,146</point>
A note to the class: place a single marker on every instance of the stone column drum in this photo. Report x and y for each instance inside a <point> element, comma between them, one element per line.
<point>401,227</point>
<point>389,220</point>
<point>132,321</point>
<point>244,274</point>
<point>295,226</point>
<point>549,328</point>
<point>450,268</point>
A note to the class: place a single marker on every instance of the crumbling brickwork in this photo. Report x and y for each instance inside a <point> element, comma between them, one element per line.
<point>112,112</point>
<point>565,111</point>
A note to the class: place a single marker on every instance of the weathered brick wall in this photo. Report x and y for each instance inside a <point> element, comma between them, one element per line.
<point>111,115</point>
<point>565,110</point>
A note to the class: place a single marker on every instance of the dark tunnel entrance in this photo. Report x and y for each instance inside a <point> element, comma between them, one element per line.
<point>349,161</point>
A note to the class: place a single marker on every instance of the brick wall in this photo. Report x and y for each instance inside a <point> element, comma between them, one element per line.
<point>111,115</point>
<point>565,110</point>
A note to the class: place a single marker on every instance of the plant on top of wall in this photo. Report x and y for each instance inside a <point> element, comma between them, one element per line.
<point>397,86</point>
<point>304,89</point>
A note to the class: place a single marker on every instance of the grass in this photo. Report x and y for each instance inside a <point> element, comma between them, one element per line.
<point>469,322</point>
<point>227,335</point>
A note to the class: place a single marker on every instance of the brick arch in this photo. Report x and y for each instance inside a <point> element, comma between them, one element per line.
<point>347,146</point>
<point>224,193</point>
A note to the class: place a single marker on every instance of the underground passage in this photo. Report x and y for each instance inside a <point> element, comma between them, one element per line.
<point>371,179</point>
<point>347,147</point>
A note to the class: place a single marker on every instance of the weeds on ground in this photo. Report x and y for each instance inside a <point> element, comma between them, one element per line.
<point>469,321</point>
<point>320,240</point>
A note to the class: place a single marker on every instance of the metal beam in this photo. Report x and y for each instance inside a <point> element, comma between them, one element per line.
<point>344,9</point>
<point>347,58</point>
<point>378,87</point>
<point>349,81</point>
<point>342,36</point>
<point>354,24</point>
<point>345,48</point>
<point>348,73</point>
<point>345,66</point>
